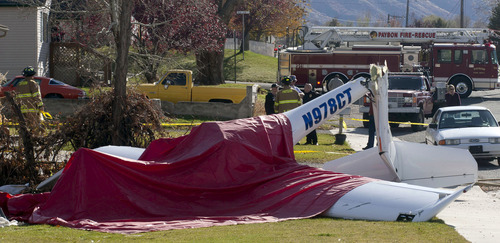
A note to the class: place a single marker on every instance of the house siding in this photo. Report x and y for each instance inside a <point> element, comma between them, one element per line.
<point>22,46</point>
<point>43,42</point>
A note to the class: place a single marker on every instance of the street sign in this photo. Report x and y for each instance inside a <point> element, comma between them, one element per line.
<point>243,12</point>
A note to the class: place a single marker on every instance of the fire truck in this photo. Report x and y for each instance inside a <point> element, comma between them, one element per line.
<point>464,57</point>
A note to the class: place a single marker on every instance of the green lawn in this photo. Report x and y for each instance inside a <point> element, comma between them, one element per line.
<point>318,229</point>
<point>255,68</point>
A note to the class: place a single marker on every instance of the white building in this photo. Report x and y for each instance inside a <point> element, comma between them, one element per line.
<point>28,40</point>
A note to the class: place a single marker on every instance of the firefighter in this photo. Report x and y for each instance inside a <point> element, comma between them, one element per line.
<point>28,97</point>
<point>287,98</point>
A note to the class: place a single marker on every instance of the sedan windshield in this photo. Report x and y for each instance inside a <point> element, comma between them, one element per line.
<point>467,118</point>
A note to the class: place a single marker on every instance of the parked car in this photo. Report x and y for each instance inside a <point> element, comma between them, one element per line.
<point>467,127</point>
<point>49,88</point>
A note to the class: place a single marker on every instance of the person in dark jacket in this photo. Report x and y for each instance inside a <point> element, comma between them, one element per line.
<point>452,98</point>
<point>371,128</point>
<point>270,97</point>
<point>310,94</point>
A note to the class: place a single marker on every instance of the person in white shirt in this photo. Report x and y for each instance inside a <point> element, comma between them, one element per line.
<point>294,80</point>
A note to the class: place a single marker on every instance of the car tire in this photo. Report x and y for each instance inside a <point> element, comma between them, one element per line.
<point>419,118</point>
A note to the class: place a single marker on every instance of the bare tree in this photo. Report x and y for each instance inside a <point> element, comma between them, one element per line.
<point>121,13</point>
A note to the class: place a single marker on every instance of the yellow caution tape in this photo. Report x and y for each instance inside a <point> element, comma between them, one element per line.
<point>59,123</point>
<point>409,123</point>
<point>47,115</point>
<point>306,151</point>
<point>179,124</point>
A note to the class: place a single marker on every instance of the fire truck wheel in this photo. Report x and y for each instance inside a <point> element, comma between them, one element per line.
<point>419,118</point>
<point>463,86</point>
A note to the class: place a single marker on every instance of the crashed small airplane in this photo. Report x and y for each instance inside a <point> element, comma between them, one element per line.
<point>244,171</point>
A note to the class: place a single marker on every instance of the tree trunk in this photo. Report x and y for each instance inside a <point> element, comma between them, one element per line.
<point>211,64</point>
<point>211,67</point>
<point>121,13</point>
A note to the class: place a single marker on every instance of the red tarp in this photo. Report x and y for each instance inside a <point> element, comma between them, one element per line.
<point>235,172</point>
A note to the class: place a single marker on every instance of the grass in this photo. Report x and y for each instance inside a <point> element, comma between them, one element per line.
<point>324,152</point>
<point>255,68</point>
<point>316,229</point>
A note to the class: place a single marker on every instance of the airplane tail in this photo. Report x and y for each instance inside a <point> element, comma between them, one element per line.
<point>413,163</point>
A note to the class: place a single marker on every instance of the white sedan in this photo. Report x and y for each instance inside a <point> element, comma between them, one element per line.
<point>466,127</point>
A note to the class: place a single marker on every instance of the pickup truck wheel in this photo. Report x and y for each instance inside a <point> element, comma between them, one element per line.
<point>419,118</point>
<point>463,86</point>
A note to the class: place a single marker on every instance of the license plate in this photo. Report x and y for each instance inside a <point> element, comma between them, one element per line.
<point>476,149</point>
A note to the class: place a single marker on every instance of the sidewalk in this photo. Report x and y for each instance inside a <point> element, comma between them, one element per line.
<point>475,215</point>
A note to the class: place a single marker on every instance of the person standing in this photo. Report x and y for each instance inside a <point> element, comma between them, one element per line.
<point>287,98</point>
<point>371,128</point>
<point>292,85</point>
<point>310,94</point>
<point>29,98</point>
<point>270,97</point>
<point>452,98</point>
<point>334,83</point>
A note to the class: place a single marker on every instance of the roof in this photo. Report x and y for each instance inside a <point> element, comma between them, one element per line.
<point>463,108</point>
<point>406,74</point>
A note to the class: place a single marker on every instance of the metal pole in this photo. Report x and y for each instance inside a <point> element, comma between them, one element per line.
<point>234,38</point>
<point>287,37</point>
<point>407,11</point>
<point>462,14</point>
<point>243,37</point>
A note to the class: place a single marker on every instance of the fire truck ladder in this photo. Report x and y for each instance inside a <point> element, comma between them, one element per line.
<point>320,37</point>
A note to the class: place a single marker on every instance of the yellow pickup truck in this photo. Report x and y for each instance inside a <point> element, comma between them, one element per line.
<point>177,85</point>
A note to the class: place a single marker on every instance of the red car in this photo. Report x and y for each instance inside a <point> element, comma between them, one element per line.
<point>49,88</point>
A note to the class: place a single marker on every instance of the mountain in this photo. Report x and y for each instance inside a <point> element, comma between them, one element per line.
<point>377,11</point>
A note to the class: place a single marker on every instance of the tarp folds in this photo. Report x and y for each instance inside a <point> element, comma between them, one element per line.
<point>222,173</point>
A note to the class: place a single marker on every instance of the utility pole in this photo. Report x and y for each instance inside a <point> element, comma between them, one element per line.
<point>462,14</point>
<point>407,11</point>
